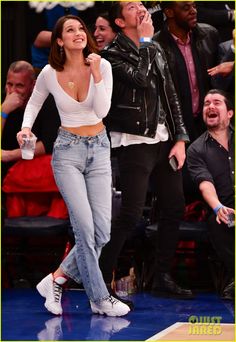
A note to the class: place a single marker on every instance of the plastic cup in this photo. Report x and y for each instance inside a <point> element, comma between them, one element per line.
<point>28,147</point>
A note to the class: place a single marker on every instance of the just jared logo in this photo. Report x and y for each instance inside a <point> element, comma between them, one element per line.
<point>205,325</point>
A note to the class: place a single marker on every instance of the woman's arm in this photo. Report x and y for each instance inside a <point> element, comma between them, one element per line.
<point>33,107</point>
<point>103,90</point>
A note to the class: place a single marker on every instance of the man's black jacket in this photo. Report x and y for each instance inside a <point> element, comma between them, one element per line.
<point>140,79</point>
<point>204,44</point>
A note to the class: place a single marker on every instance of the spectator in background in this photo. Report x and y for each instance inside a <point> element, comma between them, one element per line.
<point>223,74</point>
<point>190,49</point>
<point>103,33</point>
<point>19,86</point>
<point>211,164</point>
<point>23,180</point>
<point>220,14</point>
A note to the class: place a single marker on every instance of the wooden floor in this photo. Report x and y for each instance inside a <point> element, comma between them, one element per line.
<point>184,331</point>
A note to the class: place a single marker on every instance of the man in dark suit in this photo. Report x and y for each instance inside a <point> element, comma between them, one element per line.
<point>190,49</point>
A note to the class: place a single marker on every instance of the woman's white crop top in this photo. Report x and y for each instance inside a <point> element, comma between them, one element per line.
<point>72,113</point>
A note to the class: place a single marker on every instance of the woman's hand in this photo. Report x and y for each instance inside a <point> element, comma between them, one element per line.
<point>94,61</point>
<point>24,133</point>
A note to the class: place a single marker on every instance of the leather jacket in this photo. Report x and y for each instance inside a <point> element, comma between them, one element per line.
<point>143,91</point>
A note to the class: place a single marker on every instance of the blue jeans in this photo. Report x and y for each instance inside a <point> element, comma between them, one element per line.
<point>82,170</point>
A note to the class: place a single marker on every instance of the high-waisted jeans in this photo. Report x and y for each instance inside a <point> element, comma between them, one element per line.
<point>82,171</point>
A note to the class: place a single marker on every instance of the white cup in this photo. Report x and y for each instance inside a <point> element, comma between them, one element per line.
<point>28,147</point>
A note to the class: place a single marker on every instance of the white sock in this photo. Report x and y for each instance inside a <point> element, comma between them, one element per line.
<point>60,280</point>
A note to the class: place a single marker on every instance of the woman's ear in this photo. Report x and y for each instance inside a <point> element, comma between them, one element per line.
<point>60,42</point>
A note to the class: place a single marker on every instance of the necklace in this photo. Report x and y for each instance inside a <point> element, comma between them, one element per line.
<point>71,85</point>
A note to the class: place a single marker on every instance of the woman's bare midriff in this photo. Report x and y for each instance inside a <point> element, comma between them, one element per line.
<point>86,131</point>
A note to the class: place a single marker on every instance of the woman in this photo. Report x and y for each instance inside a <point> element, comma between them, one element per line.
<point>103,33</point>
<point>81,83</point>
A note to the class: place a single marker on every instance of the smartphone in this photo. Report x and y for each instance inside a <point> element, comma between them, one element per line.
<point>231,220</point>
<point>173,163</point>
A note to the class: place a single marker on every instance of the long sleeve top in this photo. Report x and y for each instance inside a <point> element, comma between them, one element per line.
<point>72,112</point>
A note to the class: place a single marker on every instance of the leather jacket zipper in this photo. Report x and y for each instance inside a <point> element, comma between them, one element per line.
<point>145,101</point>
<point>130,107</point>
<point>167,102</point>
<point>146,120</point>
<point>149,63</point>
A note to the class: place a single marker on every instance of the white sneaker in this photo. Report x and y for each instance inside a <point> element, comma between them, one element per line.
<point>110,307</point>
<point>52,291</point>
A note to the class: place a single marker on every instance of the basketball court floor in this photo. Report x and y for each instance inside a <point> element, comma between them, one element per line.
<point>206,317</point>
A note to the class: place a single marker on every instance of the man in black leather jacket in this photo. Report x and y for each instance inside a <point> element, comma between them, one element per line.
<point>146,128</point>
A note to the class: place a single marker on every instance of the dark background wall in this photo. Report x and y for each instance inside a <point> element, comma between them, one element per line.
<point>13,34</point>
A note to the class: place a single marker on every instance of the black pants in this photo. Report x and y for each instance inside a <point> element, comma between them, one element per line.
<point>136,164</point>
<point>222,238</point>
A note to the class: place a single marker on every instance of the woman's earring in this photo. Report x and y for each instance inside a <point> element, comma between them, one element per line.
<point>61,51</point>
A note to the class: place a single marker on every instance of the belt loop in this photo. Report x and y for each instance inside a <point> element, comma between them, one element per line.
<point>99,138</point>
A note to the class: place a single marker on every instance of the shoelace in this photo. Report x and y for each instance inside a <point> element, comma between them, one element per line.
<point>112,300</point>
<point>57,291</point>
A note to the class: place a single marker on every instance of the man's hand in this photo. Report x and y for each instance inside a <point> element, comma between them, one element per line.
<point>223,214</point>
<point>10,156</point>
<point>178,150</point>
<point>145,27</point>
<point>223,69</point>
<point>12,101</point>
